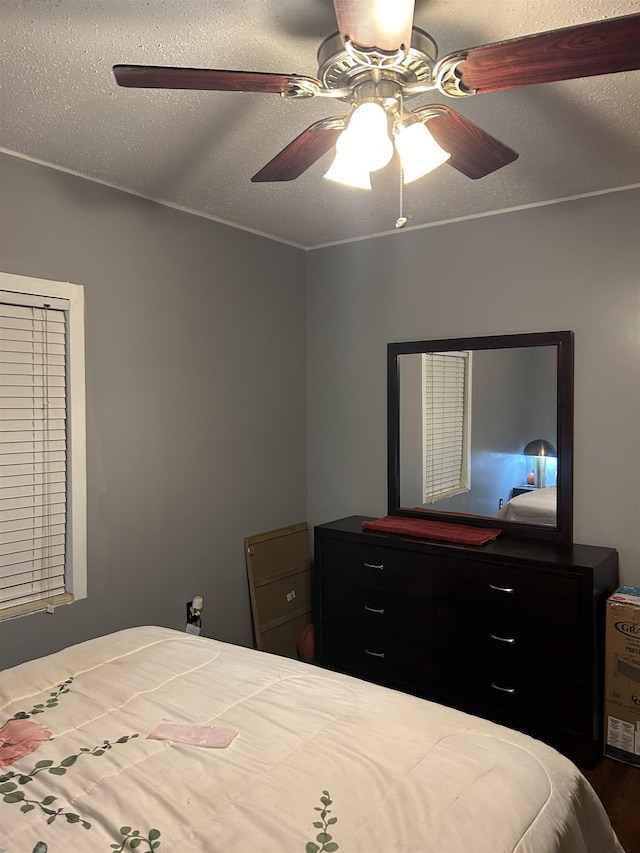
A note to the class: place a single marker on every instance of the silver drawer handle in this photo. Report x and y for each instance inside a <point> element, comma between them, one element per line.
<point>503,689</point>
<point>374,654</point>
<point>373,610</point>
<point>503,639</point>
<point>502,588</point>
<point>373,566</point>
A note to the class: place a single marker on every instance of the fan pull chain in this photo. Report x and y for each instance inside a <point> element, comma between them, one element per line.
<point>401,221</point>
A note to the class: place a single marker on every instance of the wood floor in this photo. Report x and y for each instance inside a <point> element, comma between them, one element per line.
<point>618,786</point>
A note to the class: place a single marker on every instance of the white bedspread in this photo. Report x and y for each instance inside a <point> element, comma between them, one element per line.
<point>396,773</point>
<point>535,507</point>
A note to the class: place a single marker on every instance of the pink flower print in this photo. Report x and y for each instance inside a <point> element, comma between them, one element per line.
<point>20,737</point>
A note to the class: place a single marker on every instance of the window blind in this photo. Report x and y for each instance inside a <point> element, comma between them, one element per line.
<point>444,424</point>
<point>33,451</point>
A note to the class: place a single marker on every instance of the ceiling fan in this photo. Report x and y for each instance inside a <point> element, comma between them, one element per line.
<point>378,60</point>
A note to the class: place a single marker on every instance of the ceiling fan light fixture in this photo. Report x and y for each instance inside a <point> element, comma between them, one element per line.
<point>418,151</point>
<point>362,148</point>
<point>345,171</point>
<point>394,18</point>
<point>394,14</point>
<point>349,167</point>
<point>383,24</point>
<point>368,136</point>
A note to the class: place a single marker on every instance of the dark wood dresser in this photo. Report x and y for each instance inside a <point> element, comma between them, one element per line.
<point>512,631</point>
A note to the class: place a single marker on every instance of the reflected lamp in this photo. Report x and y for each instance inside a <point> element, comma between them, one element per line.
<point>541,450</point>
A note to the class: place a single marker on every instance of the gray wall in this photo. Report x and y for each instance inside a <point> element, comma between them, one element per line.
<point>196,381</point>
<point>197,374</point>
<point>574,265</point>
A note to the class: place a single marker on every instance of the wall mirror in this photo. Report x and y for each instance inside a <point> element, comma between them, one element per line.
<point>480,431</point>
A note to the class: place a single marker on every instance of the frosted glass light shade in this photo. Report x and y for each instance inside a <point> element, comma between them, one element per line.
<point>383,23</point>
<point>393,20</point>
<point>347,167</point>
<point>368,136</point>
<point>362,148</point>
<point>418,151</point>
<point>344,170</point>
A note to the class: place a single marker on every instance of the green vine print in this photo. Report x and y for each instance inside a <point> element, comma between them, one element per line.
<point>326,844</point>
<point>134,838</point>
<point>15,796</point>
<point>51,702</point>
<point>11,794</point>
<point>11,780</point>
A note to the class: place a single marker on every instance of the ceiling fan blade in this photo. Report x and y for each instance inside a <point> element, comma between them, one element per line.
<point>586,50</point>
<point>473,151</point>
<point>385,24</point>
<point>302,152</point>
<point>161,77</point>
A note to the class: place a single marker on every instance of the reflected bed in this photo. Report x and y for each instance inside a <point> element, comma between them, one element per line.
<point>321,761</point>
<point>535,507</point>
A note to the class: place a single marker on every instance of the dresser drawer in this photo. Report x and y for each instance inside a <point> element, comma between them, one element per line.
<point>516,691</point>
<point>372,565</point>
<point>375,656</point>
<point>379,611</point>
<point>509,589</point>
<point>505,639</point>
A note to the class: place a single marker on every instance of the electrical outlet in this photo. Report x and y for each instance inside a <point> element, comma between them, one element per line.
<point>194,621</point>
<point>194,611</point>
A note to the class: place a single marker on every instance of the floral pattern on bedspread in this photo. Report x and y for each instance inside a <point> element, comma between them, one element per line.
<point>19,737</point>
<point>398,767</point>
<point>326,844</point>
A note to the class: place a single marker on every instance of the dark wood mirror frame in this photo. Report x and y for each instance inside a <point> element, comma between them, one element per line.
<point>562,532</point>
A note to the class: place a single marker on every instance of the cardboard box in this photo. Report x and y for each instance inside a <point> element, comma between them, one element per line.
<point>622,676</point>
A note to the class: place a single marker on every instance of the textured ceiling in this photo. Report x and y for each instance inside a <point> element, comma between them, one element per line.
<point>198,150</point>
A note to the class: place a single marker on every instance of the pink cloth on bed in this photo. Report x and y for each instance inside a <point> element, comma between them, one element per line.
<point>212,737</point>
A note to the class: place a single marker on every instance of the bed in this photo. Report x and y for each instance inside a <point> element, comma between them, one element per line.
<point>535,507</point>
<point>320,761</point>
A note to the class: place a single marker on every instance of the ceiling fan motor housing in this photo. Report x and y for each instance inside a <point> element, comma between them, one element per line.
<point>343,68</point>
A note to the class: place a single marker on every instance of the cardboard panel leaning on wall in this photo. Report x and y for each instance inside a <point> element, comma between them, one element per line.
<point>279,574</point>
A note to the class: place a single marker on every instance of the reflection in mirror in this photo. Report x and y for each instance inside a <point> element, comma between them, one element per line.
<point>483,430</point>
<point>468,425</point>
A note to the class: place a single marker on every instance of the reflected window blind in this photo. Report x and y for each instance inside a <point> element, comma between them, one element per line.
<point>444,422</point>
<point>33,449</point>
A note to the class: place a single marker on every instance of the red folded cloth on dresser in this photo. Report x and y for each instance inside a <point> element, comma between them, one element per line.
<point>443,531</point>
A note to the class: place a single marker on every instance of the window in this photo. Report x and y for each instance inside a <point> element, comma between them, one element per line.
<point>43,559</point>
<point>446,424</point>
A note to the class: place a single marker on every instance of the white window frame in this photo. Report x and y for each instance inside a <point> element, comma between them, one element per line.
<point>459,424</point>
<point>76,499</point>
